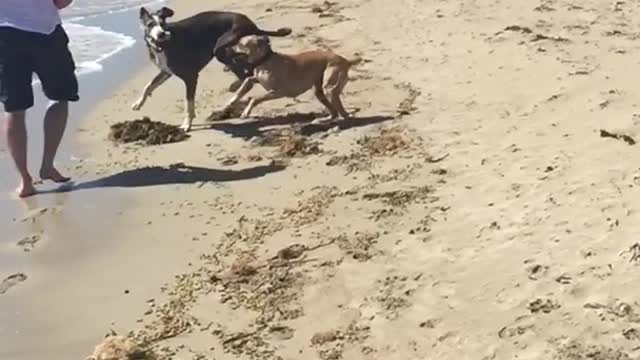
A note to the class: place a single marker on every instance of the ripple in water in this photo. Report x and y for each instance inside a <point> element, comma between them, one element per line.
<point>90,8</point>
<point>90,45</point>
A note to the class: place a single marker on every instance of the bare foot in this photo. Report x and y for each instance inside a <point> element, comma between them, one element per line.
<point>54,175</point>
<point>26,189</point>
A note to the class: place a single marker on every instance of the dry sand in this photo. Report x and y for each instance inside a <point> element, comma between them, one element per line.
<point>472,210</point>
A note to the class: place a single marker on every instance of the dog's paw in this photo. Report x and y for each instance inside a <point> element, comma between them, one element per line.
<point>245,114</point>
<point>186,127</point>
<point>138,105</point>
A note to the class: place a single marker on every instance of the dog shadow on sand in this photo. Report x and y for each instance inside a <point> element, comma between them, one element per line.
<point>303,122</point>
<point>170,175</point>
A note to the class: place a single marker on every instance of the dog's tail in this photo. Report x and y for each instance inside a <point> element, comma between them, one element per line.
<point>280,32</point>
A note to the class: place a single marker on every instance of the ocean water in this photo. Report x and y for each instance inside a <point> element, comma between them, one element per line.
<point>92,45</point>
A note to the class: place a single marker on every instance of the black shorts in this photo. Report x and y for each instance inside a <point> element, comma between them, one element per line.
<point>24,53</point>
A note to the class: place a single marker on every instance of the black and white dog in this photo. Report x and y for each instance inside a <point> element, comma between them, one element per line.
<point>183,48</point>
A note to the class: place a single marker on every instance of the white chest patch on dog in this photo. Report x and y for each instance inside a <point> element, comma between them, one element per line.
<point>265,78</point>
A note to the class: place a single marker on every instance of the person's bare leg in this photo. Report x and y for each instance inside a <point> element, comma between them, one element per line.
<point>55,121</point>
<point>16,132</point>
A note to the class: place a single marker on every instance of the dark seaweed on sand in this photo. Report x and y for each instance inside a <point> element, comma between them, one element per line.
<point>146,131</point>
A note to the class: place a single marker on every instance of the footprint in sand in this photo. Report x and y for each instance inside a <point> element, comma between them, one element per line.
<point>35,214</point>
<point>29,242</point>
<point>543,306</point>
<point>11,281</point>
<point>281,333</point>
<point>521,326</point>
<point>536,271</point>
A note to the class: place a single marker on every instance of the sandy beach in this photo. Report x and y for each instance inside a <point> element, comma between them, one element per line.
<point>478,206</point>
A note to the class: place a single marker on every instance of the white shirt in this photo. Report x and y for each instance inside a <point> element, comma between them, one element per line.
<point>40,16</point>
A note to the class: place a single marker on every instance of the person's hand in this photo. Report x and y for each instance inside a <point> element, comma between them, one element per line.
<point>61,4</point>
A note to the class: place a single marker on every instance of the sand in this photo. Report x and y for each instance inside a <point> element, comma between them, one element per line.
<point>471,210</point>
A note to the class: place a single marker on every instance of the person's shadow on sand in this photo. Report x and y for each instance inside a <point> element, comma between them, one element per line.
<point>252,128</point>
<point>173,174</point>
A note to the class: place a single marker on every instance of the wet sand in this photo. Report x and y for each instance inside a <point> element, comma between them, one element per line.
<point>473,209</point>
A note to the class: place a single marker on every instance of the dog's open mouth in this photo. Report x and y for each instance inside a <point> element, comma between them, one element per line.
<point>153,44</point>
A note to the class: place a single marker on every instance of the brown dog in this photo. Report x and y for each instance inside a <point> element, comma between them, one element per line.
<point>292,75</point>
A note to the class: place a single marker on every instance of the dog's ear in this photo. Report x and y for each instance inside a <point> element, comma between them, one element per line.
<point>144,13</point>
<point>165,13</point>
